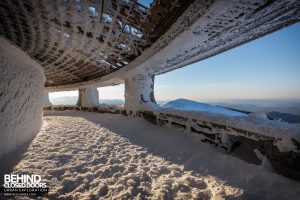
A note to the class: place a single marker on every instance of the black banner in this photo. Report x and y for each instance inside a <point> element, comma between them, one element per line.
<point>23,191</point>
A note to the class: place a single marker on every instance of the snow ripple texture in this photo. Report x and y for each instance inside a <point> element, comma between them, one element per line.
<point>85,159</point>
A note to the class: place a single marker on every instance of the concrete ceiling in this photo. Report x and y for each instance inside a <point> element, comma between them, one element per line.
<point>84,42</point>
<point>81,40</point>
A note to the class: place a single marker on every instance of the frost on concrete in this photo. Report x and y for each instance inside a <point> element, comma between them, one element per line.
<point>139,92</point>
<point>104,156</point>
<point>21,97</point>
<point>47,102</point>
<point>205,28</point>
<point>208,28</point>
<point>77,41</point>
<point>285,136</point>
<point>88,97</point>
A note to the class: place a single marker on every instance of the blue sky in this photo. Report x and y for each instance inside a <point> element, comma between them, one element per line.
<point>145,2</point>
<point>266,68</point>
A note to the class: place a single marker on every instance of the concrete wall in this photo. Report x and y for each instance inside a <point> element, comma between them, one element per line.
<point>21,97</point>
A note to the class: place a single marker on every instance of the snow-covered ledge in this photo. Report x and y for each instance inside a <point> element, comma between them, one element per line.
<point>88,97</point>
<point>21,97</point>
<point>47,102</point>
<point>139,93</point>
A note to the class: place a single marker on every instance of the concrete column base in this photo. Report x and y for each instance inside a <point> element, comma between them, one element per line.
<point>139,93</point>
<point>88,97</point>
<point>47,102</point>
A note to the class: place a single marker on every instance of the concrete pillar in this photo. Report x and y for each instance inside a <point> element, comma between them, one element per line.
<point>21,97</point>
<point>47,102</point>
<point>139,93</point>
<point>88,97</point>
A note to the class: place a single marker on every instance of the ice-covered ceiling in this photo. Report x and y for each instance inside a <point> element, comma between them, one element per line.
<point>81,40</point>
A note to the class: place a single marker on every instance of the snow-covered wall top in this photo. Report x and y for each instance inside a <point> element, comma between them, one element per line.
<point>284,135</point>
<point>21,97</point>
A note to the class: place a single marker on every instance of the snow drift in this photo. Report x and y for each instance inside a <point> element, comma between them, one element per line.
<point>105,156</point>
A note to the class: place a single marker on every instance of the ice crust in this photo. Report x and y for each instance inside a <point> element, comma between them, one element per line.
<point>21,97</point>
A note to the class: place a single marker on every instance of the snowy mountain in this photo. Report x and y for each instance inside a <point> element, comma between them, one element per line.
<point>72,100</point>
<point>184,104</point>
<point>65,100</point>
<point>290,106</point>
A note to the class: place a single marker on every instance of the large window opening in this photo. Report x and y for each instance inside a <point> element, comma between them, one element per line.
<point>261,76</point>
<point>64,97</point>
<point>112,95</point>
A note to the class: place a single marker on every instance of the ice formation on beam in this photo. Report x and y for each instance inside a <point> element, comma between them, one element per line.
<point>208,28</point>
<point>204,29</point>
<point>88,97</point>
<point>21,97</point>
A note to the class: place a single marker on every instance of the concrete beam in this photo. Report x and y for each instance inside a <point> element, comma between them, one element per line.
<point>205,29</point>
<point>88,97</point>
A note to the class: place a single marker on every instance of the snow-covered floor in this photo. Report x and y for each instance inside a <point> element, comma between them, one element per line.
<point>84,155</point>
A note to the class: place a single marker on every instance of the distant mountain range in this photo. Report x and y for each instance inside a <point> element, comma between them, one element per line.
<point>72,100</point>
<point>65,100</point>
<point>285,110</point>
<point>184,104</point>
<point>275,109</point>
<point>264,106</point>
<point>291,118</point>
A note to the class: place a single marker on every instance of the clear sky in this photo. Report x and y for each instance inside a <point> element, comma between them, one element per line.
<point>266,68</point>
<point>145,2</point>
<point>112,92</point>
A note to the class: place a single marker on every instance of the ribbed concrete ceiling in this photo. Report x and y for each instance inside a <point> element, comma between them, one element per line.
<point>81,40</point>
